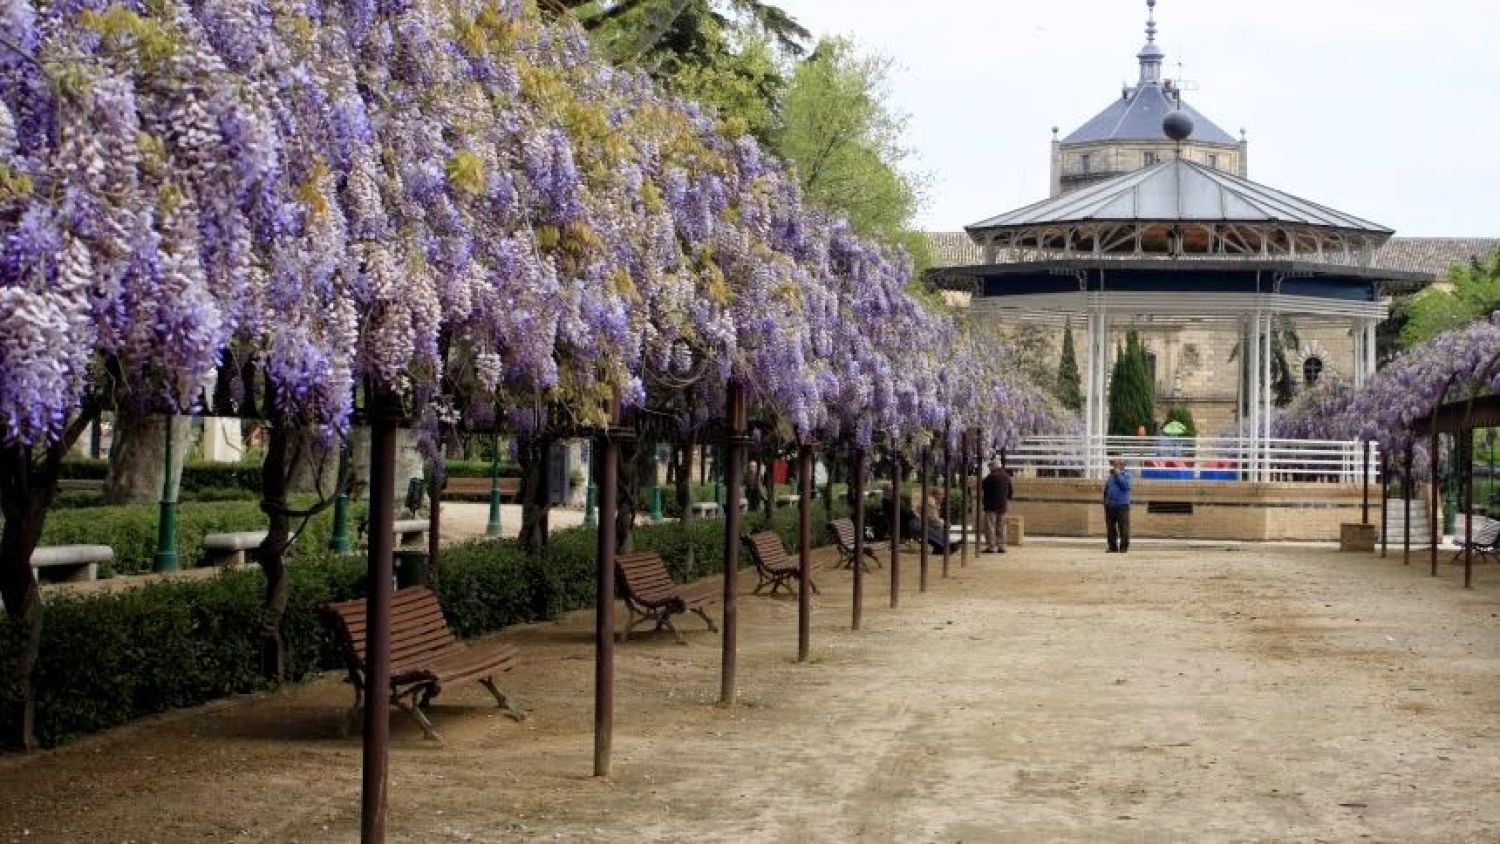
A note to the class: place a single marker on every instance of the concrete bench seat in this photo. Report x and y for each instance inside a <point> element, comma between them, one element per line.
<point>706,508</point>
<point>229,548</point>
<point>788,500</point>
<point>410,531</point>
<point>76,563</point>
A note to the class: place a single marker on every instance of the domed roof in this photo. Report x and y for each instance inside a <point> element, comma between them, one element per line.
<point>1137,117</point>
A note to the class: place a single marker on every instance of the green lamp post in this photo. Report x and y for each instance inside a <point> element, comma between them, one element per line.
<point>341,543</point>
<point>493,528</point>
<point>166,524</point>
<point>590,495</point>
<point>656,514</point>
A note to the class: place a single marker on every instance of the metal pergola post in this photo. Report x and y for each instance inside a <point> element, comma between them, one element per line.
<point>895,528</point>
<point>926,554</point>
<point>857,493</point>
<point>1385,501</point>
<point>804,552</point>
<point>607,464</point>
<point>736,415</point>
<point>385,411</point>
<point>947,504</point>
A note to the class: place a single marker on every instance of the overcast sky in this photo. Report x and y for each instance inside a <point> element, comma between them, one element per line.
<point>1387,110</point>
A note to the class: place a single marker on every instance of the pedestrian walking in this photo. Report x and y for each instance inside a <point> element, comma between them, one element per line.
<point>996,491</point>
<point>1117,507</point>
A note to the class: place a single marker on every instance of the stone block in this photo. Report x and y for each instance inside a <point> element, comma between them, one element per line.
<point>1015,530</point>
<point>1357,538</point>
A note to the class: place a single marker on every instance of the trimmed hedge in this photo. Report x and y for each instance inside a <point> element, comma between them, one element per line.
<point>197,476</point>
<point>131,530</point>
<point>479,469</point>
<point>109,658</point>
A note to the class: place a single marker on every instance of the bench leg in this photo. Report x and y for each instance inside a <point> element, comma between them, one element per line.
<point>712,628</point>
<point>355,716</point>
<point>500,699</point>
<point>429,732</point>
<point>665,621</point>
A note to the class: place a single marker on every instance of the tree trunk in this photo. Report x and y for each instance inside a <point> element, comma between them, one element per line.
<point>135,456</point>
<point>312,466</point>
<point>535,505</point>
<point>272,553</point>
<point>26,491</point>
<point>637,460</point>
<point>684,477</point>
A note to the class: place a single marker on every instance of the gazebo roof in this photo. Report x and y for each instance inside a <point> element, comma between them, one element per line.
<point>1180,191</point>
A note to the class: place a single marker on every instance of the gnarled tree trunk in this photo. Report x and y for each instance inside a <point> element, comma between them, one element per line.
<point>535,494</point>
<point>135,456</point>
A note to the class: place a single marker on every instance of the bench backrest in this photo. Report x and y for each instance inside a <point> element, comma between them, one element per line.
<point>417,627</point>
<point>644,577</point>
<point>1486,531</point>
<point>843,533</point>
<point>767,550</point>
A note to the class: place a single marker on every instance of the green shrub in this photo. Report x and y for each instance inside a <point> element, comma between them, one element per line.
<point>109,658</point>
<point>131,530</point>
<point>196,476</point>
<point>479,469</point>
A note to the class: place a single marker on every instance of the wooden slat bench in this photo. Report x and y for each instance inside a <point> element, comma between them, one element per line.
<point>842,532</point>
<point>650,593</point>
<point>425,655</point>
<point>774,565</point>
<point>472,489</point>
<point>76,563</point>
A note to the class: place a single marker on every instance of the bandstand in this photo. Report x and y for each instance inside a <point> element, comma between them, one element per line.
<point>1180,243</point>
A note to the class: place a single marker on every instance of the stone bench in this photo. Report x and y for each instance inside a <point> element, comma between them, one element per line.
<point>74,562</point>
<point>229,548</point>
<point>706,508</point>
<point>410,531</point>
<point>787,500</point>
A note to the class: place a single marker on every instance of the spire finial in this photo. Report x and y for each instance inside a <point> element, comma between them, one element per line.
<point>1151,21</point>
<point>1151,55</point>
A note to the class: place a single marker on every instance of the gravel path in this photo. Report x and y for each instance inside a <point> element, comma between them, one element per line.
<point>1054,693</point>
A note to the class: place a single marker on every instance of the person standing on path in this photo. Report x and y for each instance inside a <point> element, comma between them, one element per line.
<point>1117,507</point>
<point>996,492</point>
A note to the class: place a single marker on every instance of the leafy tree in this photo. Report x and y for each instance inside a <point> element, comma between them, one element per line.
<point>1132,396</point>
<point>721,53</point>
<point>844,142</point>
<point>1069,382</point>
<point>1471,293</point>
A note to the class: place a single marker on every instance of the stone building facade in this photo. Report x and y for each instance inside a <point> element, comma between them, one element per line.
<point>1197,365</point>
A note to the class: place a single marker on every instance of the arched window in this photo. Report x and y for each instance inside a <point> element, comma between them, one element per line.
<point>1312,370</point>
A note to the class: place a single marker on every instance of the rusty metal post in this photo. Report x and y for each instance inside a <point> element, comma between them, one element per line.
<point>947,504</point>
<point>857,492</point>
<point>963,510</point>
<point>1435,524</point>
<point>1407,491</point>
<point>978,503</point>
<point>434,523</point>
<point>607,464</point>
<point>1385,501</point>
<point>804,552</point>
<point>895,528</point>
<point>926,527</point>
<point>736,415</point>
<point>385,413</point>
<point>1364,510</point>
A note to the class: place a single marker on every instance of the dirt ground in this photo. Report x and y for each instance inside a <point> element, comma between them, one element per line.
<point>1054,693</point>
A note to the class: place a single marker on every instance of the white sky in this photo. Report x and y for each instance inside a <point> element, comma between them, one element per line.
<point>1386,109</point>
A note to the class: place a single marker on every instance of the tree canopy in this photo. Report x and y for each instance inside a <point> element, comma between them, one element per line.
<point>1470,293</point>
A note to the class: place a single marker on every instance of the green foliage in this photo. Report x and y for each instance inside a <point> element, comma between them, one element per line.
<point>1181,413</point>
<point>845,143</point>
<point>1471,293</point>
<point>1069,381</point>
<point>131,530</point>
<point>196,476</point>
<point>109,658</point>
<point>479,469</point>
<point>1132,396</point>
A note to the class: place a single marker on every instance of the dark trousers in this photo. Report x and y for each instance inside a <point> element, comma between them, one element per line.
<point>1117,527</point>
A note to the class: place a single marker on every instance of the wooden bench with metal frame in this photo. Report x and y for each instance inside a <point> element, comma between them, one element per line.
<point>479,488</point>
<point>652,596</point>
<point>842,532</point>
<point>774,565</point>
<point>425,655</point>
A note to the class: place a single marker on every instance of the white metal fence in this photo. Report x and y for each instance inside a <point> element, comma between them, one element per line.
<point>1221,459</point>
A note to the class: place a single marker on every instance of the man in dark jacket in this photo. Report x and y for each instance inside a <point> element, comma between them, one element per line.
<point>996,492</point>
<point>1117,507</point>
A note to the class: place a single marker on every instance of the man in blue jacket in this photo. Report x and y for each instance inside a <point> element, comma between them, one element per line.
<point>1117,507</point>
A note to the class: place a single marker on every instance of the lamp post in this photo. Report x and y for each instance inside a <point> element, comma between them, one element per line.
<point>590,495</point>
<point>493,527</point>
<point>166,525</point>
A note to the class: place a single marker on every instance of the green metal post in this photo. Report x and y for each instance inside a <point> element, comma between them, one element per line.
<point>341,543</point>
<point>493,528</point>
<point>591,495</point>
<point>656,515</point>
<point>166,525</point>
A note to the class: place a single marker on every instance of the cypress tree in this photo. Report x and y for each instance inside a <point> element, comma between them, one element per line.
<point>1069,382</point>
<point>1132,396</point>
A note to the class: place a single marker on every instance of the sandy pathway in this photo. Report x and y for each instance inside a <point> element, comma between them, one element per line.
<point>1055,693</point>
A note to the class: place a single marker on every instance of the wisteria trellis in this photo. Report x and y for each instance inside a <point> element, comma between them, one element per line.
<point>337,189</point>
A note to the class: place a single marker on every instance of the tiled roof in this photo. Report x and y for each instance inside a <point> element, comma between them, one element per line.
<point>1431,255</point>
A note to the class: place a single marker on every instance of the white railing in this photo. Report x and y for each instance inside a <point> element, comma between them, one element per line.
<point>1222,459</point>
